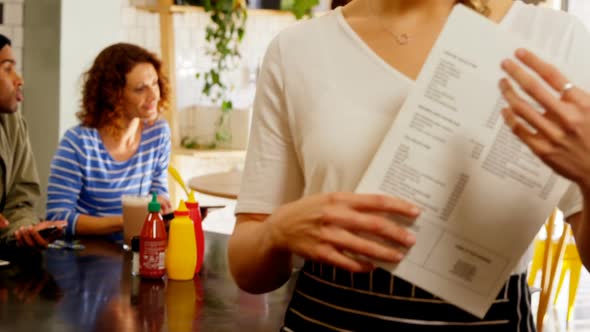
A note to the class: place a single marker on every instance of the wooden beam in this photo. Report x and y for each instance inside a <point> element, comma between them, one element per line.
<point>169,62</point>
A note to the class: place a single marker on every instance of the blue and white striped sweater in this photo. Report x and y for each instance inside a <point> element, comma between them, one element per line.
<point>85,179</point>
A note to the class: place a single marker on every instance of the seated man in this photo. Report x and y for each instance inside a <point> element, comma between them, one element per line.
<point>19,182</point>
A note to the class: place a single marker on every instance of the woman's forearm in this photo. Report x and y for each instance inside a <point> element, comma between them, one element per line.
<point>581,230</point>
<point>89,225</point>
<point>255,263</point>
<point>582,234</point>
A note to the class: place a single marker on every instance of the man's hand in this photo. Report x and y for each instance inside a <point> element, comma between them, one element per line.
<point>28,236</point>
<point>3,222</point>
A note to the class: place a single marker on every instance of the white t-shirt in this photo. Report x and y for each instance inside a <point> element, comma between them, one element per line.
<point>325,101</point>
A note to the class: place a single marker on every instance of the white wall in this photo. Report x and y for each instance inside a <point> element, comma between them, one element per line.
<point>581,8</point>
<point>13,27</point>
<point>139,26</point>
<point>87,26</point>
<point>61,39</point>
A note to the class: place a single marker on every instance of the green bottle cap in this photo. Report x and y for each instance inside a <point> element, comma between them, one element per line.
<point>154,205</point>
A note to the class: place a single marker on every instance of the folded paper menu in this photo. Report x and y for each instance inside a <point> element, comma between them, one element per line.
<point>483,194</point>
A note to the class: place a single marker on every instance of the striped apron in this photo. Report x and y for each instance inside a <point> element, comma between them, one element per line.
<point>330,299</point>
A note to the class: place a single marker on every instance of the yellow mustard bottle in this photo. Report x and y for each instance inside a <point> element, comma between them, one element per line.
<point>181,255</point>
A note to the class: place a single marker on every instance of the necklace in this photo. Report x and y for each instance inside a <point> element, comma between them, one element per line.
<point>401,39</point>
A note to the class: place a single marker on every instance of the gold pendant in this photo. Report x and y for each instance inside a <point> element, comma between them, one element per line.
<point>402,39</point>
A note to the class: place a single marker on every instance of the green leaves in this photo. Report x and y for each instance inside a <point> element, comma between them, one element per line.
<point>227,106</point>
<point>300,8</point>
<point>224,34</point>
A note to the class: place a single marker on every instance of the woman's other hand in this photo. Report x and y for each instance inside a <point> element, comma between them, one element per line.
<point>326,228</point>
<point>165,204</point>
<point>560,135</point>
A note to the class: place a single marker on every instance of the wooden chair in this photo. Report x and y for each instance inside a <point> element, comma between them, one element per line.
<point>573,264</point>
<point>551,258</point>
<point>538,260</point>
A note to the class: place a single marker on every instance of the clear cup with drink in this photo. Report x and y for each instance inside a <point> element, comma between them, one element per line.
<point>135,209</point>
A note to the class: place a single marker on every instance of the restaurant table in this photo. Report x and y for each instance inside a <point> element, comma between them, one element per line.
<point>224,184</point>
<point>93,290</point>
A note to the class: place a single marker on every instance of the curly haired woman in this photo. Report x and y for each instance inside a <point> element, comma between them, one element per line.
<point>121,145</point>
<point>328,91</point>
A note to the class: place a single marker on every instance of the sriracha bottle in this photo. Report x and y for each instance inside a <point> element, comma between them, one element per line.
<point>152,244</point>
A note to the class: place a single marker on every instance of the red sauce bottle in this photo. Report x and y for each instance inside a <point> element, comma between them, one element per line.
<point>152,243</point>
<point>194,212</point>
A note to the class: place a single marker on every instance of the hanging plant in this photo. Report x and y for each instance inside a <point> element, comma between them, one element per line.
<point>300,8</point>
<point>223,34</point>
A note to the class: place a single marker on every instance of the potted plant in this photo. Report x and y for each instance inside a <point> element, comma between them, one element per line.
<point>224,33</point>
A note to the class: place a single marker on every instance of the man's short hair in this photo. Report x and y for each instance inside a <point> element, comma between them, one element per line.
<point>4,41</point>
